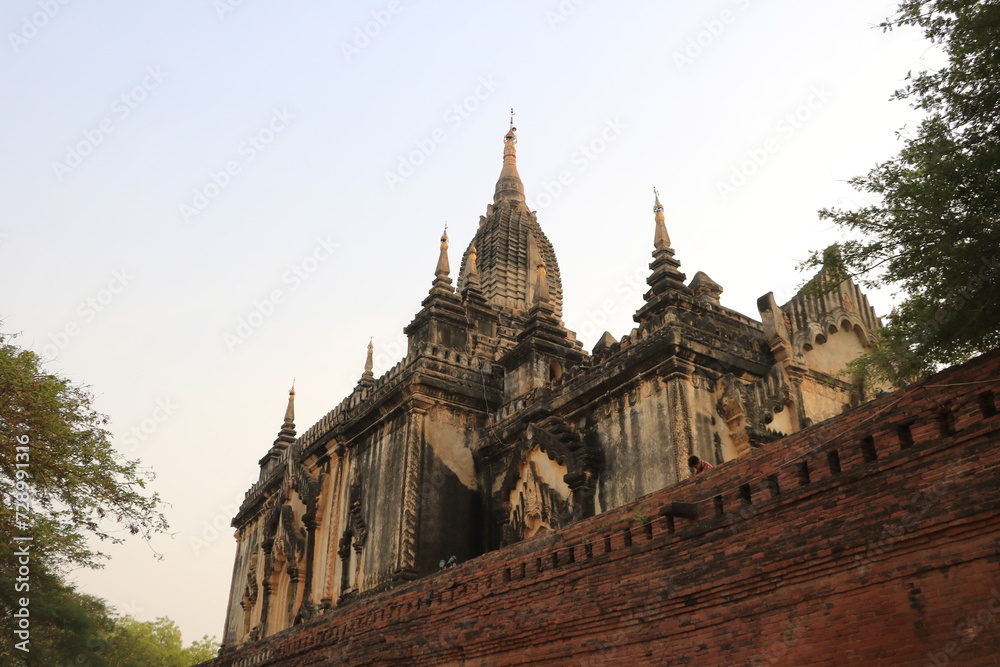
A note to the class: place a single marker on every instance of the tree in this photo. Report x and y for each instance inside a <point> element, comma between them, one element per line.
<point>76,482</point>
<point>154,644</point>
<point>934,229</point>
<point>72,628</point>
<point>66,627</point>
<point>61,484</point>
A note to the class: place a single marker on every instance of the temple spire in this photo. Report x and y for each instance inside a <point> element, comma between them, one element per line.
<point>286,436</point>
<point>509,185</point>
<point>368,378</point>
<point>290,410</point>
<point>442,273</point>
<point>665,269</point>
<point>661,239</point>
<point>665,276</point>
<point>443,269</point>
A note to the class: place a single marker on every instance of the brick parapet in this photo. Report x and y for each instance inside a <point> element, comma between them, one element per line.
<point>863,538</point>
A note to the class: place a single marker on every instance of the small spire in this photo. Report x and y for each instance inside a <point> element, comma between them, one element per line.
<point>443,269</point>
<point>286,436</point>
<point>661,240</point>
<point>471,270</point>
<point>368,378</point>
<point>442,273</point>
<point>665,276</point>
<point>290,410</point>
<point>509,185</point>
<point>541,284</point>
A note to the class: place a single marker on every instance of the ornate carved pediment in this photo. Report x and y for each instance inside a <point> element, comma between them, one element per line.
<point>731,407</point>
<point>294,536</point>
<point>750,409</point>
<point>551,480</point>
<point>538,506</point>
<point>297,479</point>
<point>356,533</point>
<point>764,400</point>
<point>250,590</point>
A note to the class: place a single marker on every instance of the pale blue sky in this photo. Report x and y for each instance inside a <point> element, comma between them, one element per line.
<point>117,114</point>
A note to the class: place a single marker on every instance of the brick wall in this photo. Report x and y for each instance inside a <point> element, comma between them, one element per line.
<point>872,538</point>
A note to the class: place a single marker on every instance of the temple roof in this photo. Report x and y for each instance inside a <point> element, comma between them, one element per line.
<point>510,244</point>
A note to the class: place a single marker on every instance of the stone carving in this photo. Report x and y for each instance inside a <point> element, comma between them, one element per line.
<point>250,590</point>
<point>540,507</point>
<point>580,457</point>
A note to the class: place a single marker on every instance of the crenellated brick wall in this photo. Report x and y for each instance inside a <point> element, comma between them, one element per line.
<point>870,539</point>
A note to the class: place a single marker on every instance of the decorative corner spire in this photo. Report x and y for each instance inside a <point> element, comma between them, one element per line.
<point>471,270</point>
<point>509,185</point>
<point>443,269</point>
<point>665,275</point>
<point>661,240</point>
<point>442,273</point>
<point>286,436</point>
<point>541,284</point>
<point>290,410</point>
<point>368,378</point>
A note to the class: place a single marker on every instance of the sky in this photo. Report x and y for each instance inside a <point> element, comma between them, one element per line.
<point>206,201</point>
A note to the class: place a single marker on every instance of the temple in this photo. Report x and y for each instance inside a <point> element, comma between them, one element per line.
<point>497,426</point>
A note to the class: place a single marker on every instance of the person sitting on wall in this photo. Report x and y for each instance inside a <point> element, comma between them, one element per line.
<point>698,466</point>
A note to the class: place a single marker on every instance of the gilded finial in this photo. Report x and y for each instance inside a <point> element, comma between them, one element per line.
<point>512,118</point>
<point>368,361</point>
<point>661,240</point>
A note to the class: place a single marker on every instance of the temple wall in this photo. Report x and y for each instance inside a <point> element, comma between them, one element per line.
<point>647,437</point>
<point>525,377</point>
<point>248,553</point>
<point>830,352</point>
<point>451,501</point>
<point>376,468</point>
<point>868,539</point>
<point>329,525</point>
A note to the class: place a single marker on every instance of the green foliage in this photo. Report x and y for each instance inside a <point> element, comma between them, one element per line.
<point>934,231</point>
<point>67,627</point>
<point>156,643</point>
<point>73,629</point>
<point>78,484</point>
<point>70,487</point>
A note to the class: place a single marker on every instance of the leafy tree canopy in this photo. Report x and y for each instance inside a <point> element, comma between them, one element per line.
<point>62,484</point>
<point>77,485</point>
<point>156,643</point>
<point>934,229</point>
